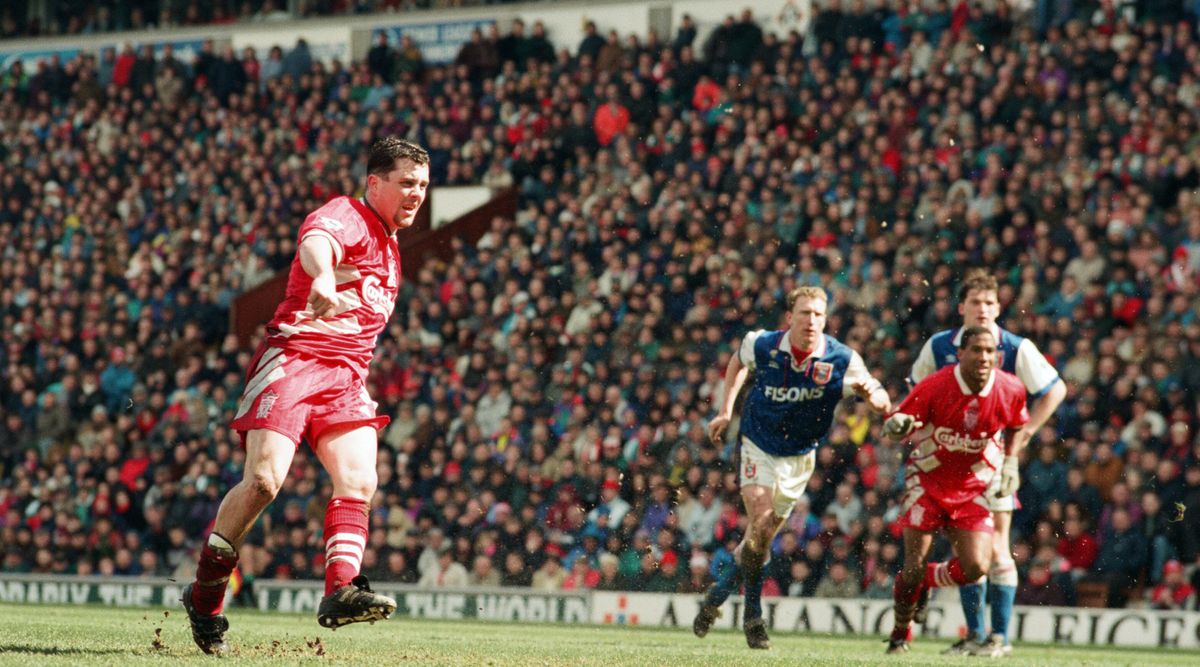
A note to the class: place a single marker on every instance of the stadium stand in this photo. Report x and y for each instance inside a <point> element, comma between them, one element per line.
<point>24,18</point>
<point>549,385</point>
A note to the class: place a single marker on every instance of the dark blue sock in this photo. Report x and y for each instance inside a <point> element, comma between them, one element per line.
<point>1002,608</point>
<point>752,574</point>
<point>972,596</point>
<point>729,577</point>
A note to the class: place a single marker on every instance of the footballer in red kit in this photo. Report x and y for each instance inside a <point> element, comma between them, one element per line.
<point>304,356</point>
<point>965,421</point>
<point>307,382</point>
<point>959,447</point>
<point>979,304</point>
<point>367,267</point>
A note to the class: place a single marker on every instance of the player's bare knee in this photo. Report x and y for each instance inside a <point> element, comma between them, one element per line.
<point>1001,552</point>
<point>358,484</point>
<point>263,486</point>
<point>973,570</point>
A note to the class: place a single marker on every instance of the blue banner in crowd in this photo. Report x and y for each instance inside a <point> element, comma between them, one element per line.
<point>439,42</point>
<point>185,52</point>
<point>30,59</point>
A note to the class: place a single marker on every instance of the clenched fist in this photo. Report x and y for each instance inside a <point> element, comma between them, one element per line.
<point>716,429</point>
<point>899,425</point>
<point>323,299</point>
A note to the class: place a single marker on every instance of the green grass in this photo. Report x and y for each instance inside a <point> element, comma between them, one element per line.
<point>36,635</point>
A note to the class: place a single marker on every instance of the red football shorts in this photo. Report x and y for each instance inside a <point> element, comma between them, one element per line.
<point>926,512</point>
<point>302,396</point>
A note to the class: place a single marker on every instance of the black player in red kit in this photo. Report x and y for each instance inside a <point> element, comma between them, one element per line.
<point>967,420</point>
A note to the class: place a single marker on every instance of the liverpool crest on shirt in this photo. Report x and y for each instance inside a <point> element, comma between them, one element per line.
<point>971,415</point>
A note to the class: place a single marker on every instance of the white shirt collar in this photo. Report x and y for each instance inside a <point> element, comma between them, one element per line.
<point>962,384</point>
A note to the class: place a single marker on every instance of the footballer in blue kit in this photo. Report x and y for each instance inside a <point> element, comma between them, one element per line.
<point>800,376</point>
<point>980,306</point>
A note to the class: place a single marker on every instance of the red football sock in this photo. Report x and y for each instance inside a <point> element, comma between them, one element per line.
<point>345,539</point>
<point>930,575</point>
<point>948,574</point>
<point>904,632</point>
<point>212,575</point>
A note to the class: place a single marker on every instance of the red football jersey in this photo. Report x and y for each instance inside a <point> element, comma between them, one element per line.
<point>367,266</point>
<point>960,446</point>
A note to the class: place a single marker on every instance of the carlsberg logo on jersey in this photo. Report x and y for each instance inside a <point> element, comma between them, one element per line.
<point>376,298</point>
<point>954,441</point>
<point>793,394</point>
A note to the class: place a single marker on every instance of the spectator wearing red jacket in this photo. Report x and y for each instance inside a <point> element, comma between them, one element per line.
<point>610,119</point>
<point>706,95</point>
<point>1174,592</point>
<point>1077,546</point>
<point>123,69</point>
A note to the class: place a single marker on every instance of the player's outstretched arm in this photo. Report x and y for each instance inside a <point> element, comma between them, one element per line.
<point>735,377</point>
<point>876,397</point>
<point>912,414</point>
<point>316,256</point>
<point>861,383</point>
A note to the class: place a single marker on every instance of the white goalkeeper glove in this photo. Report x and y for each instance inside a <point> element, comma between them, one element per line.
<point>899,425</point>
<point>1010,478</point>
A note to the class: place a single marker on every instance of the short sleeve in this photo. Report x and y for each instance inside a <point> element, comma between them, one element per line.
<point>925,364</point>
<point>746,351</point>
<point>341,225</point>
<point>1019,410</point>
<point>1034,371</point>
<point>917,403</point>
<point>856,372</point>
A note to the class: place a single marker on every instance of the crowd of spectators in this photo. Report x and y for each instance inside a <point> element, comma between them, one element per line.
<point>549,387</point>
<point>24,18</point>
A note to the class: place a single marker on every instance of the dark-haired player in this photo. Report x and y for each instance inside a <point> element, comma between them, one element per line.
<point>979,305</point>
<point>969,421</point>
<point>308,381</point>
